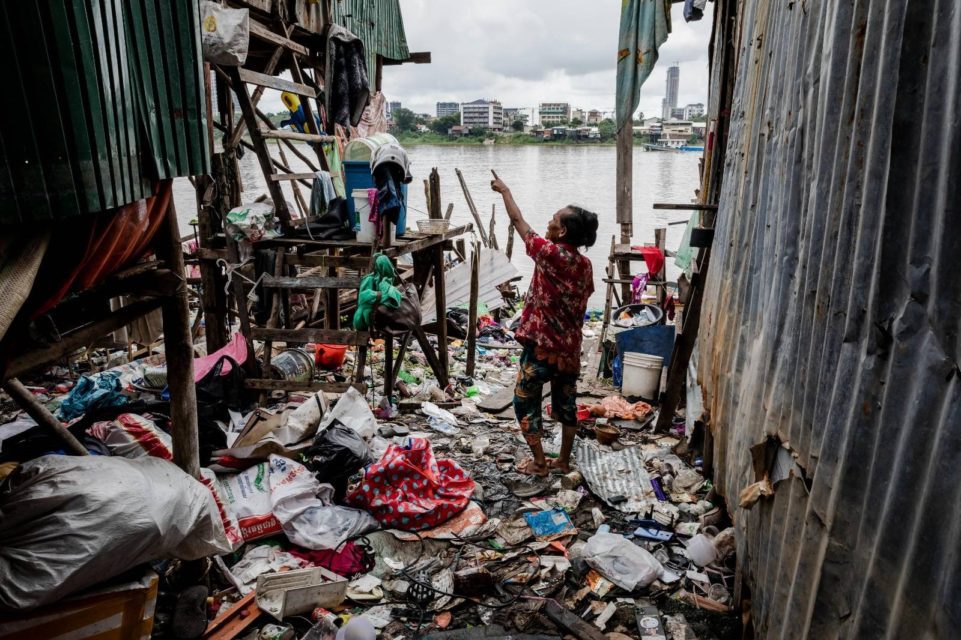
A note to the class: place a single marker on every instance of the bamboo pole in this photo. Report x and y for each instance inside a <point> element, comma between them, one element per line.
<point>473,208</point>
<point>22,396</point>
<point>472,309</point>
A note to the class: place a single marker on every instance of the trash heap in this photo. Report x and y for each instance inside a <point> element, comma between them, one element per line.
<point>365,516</point>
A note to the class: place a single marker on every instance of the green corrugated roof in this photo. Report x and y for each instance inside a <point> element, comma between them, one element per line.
<point>379,24</point>
<point>102,96</point>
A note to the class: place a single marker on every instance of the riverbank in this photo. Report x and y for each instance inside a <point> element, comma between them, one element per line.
<point>505,139</point>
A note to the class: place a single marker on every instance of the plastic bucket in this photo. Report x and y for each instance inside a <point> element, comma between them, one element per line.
<point>642,375</point>
<point>362,207</point>
<point>293,364</point>
<point>329,356</point>
<point>363,148</point>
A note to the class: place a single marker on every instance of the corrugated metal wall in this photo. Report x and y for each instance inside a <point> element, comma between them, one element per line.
<point>100,97</point>
<point>833,312</point>
<point>379,24</point>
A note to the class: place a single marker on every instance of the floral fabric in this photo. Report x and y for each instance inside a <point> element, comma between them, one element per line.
<point>556,301</point>
<point>410,490</point>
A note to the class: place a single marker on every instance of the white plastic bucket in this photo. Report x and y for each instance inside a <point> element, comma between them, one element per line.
<point>362,207</point>
<point>641,375</point>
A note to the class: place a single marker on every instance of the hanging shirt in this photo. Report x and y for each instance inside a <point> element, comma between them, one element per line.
<point>556,302</point>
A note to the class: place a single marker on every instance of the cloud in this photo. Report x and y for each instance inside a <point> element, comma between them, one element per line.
<point>524,53</point>
<point>531,51</point>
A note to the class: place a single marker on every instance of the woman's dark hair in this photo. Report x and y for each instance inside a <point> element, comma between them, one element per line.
<point>581,226</point>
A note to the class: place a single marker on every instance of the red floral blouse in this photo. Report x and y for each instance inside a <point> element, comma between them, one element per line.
<point>556,302</point>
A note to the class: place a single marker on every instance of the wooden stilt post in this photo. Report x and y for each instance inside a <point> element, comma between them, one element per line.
<point>25,400</point>
<point>490,232</point>
<point>473,208</point>
<point>625,196</point>
<point>179,350</point>
<point>510,240</point>
<point>440,299</point>
<point>472,309</point>
<point>660,236</point>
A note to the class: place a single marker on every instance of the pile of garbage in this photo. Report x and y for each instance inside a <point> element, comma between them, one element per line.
<point>319,517</point>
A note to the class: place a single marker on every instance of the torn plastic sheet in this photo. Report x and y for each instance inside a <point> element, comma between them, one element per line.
<point>616,473</point>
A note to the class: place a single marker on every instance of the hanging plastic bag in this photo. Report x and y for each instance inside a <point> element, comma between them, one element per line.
<point>623,562</point>
<point>225,34</point>
<point>69,523</point>
<point>337,453</point>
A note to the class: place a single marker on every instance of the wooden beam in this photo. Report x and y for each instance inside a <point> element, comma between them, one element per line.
<point>264,33</point>
<point>81,337</point>
<point>234,138</point>
<point>571,623</point>
<point>418,57</point>
<point>624,195</point>
<point>274,82</point>
<point>472,207</point>
<point>472,309</point>
<point>281,177</point>
<point>295,135</point>
<point>685,207</point>
<point>179,352</point>
<point>26,401</point>
<point>310,282</point>
<point>263,154</point>
<point>440,303</point>
<point>309,334</point>
<point>263,384</point>
<point>323,260</point>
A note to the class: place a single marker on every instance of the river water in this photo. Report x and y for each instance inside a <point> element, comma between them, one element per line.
<point>543,179</point>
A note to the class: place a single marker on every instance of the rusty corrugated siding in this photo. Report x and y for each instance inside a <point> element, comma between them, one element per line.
<point>379,24</point>
<point>101,97</point>
<point>833,311</point>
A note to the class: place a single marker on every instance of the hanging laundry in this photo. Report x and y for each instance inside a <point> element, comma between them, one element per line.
<point>694,10</point>
<point>653,257</point>
<point>373,214</point>
<point>390,202</point>
<point>348,90</point>
<point>321,193</point>
<point>638,285</point>
<point>644,27</point>
<point>376,288</point>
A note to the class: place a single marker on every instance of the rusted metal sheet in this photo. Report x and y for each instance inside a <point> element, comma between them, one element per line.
<point>832,315</point>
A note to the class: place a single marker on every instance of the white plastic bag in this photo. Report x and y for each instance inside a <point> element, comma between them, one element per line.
<point>225,34</point>
<point>68,523</point>
<point>352,410</point>
<point>623,562</point>
<point>303,507</point>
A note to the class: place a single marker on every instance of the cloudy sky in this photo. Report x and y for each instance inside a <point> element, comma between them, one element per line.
<point>523,52</point>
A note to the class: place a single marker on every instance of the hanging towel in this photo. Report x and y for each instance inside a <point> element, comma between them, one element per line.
<point>321,193</point>
<point>644,27</point>
<point>654,258</point>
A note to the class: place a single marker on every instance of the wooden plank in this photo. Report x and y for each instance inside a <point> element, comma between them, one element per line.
<point>263,384</point>
<point>472,207</point>
<point>310,334</point>
<point>666,206</point>
<point>234,138</point>
<point>424,243</point>
<point>179,352</point>
<point>571,623</point>
<point>472,309</point>
<point>440,303</point>
<point>81,337</point>
<point>264,33</point>
<point>416,57</point>
<point>310,282</point>
<point>274,82</point>
<point>283,134</point>
<point>263,154</point>
<point>26,401</point>
<point>280,177</point>
<point>323,260</point>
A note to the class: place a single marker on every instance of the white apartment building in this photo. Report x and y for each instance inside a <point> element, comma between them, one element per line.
<point>552,113</point>
<point>482,114</point>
